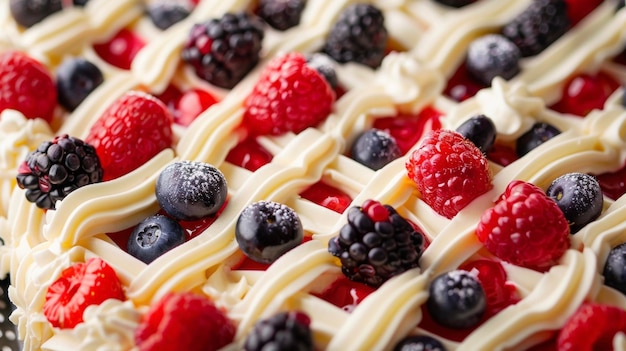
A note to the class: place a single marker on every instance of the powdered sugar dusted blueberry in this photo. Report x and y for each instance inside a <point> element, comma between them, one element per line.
<point>375,148</point>
<point>579,196</point>
<point>190,190</point>
<point>457,300</point>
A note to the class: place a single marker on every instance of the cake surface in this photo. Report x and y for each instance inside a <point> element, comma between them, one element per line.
<point>421,84</point>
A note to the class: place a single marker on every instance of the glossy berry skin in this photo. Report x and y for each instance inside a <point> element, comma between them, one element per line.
<point>191,104</point>
<point>449,171</point>
<point>455,3</point>
<point>419,342</point>
<point>155,236</point>
<point>324,66</point>
<point>614,271</point>
<point>375,149</point>
<point>132,130</point>
<point>165,14</point>
<point>266,230</point>
<point>281,14</point>
<point>492,56</point>
<point>191,190</point>
<point>480,130</point>
<point>493,278</point>
<point>592,327</point>
<point>26,86</point>
<point>120,50</point>
<point>290,96</point>
<point>585,92</point>
<point>75,79</point>
<point>184,321</point>
<point>579,196</point>
<point>538,134</point>
<point>525,227</point>
<point>456,300</point>
<point>30,12</point>
<point>285,331</point>
<point>80,285</point>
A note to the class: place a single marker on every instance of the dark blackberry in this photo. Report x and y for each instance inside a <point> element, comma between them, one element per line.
<point>285,331</point>
<point>456,3</point>
<point>29,12</point>
<point>76,79</point>
<point>223,50</point>
<point>281,14</point>
<point>376,244</point>
<point>615,268</point>
<point>492,56</point>
<point>538,26</point>
<point>538,134</point>
<point>375,148</point>
<point>57,168</point>
<point>620,5</point>
<point>166,13</point>
<point>155,236</point>
<point>359,35</point>
<point>324,65</point>
<point>456,300</point>
<point>480,130</point>
<point>419,343</point>
<point>579,196</point>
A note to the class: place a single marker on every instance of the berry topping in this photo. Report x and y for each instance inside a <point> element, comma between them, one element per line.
<point>449,170</point>
<point>266,230</point>
<point>189,190</point>
<point>592,327</point>
<point>456,3</point>
<point>456,300</point>
<point>359,35</point>
<point>492,276</point>
<point>580,198</point>
<point>492,56</point>
<point>327,196</point>
<point>79,286</point>
<point>289,96</point>
<point>30,12</point>
<point>281,14</point>
<point>26,86</point>
<point>223,50</point>
<point>121,49</point>
<point>538,26</point>
<point>613,184</point>
<point>480,130</point>
<point>57,168</point>
<point>285,331</point>
<point>578,9</point>
<point>190,105</point>
<point>525,227</point>
<point>586,92</point>
<point>184,321</point>
<point>166,13</point>
<point>376,244</point>
<point>131,131</point>
<point>419,343</point>
<point>538,134</point>
<point>615,268</point>
<point>375,149</point>
<point>76,79</point>
<point>155,236</point>
<point>249,154</point>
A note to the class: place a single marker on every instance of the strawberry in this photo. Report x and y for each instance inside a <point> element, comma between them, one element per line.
<point>525,227</point>
<point>26,86</point>
<point>449,170</point>
<point>80,285</point>
<point>184,321</point>
<point>289,96</point>
<point>131,131</point>
<point>592,327</point>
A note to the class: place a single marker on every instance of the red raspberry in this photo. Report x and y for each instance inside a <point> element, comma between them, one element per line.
<point>135,128</point>
<point>449,170</point>
<point>525,227</point>
<point>289,96</point>
<point>79,286</point>
<point>592,327</point>
<point>499,292</point>
<point>26,86</point>
<point>184,321</point>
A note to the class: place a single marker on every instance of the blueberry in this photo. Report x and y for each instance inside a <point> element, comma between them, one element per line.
<point>624,95</point>
<point>419,342</point>
<point>30,12</point>
<point>80,2</point>
<point>266,230</point>
<point>375,149</point>
<point>165,14</point>
<point>538,134</point>
<point>615,268</point>
<point>457,300</point>
<point>155,236</point>
<point>579,196</point>
<point>455,3</point>
<point>76,79</point>
<point>324,65</point>
<point>480,130</point>
<point>492,56</point>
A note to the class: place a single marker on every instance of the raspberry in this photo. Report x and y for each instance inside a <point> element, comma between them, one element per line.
<point>592,327</point>
<point>525,227</point>
<point>492,276</point>
<point>285,331</point>
<point>289,96</point>
<point>135,128</point>
<point>449,170</point>
<point>184,321</point>
<point>26,86</point>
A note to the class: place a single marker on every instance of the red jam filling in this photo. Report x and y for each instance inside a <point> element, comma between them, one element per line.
<point>120,50</point>
<point>344,293</point>
<point>585,92</point>
<point>409,129</point>
<point>461,86</point>
<point>579,9</point>
<point>502,155</point>
<point>190,104</point>
<point>613,184</point>
<point>327,196</point>
<point>249,155</point>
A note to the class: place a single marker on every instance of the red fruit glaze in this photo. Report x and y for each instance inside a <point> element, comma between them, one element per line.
<point>327,196</point>
<point>586,92</point>
<point>184,321</point>
<point>26,86</point>
<point>80,285</point>
<point>170,97</point>
<point>613,184</point>
<point>120,50</point>
<point>191,104</point>
<point>502,155</point>
<point>592,327</point>
<point>579,9</point>
<point>345,293</point>
<point>500,294</point>
<point>461,86</point>
<point>409,129</point>
<point>249,154</point>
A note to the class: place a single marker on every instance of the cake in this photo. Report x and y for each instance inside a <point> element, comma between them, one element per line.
<point>552,98</point>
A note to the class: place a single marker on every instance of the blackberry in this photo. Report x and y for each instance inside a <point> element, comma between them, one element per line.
<point>615,268</point>
<point>480,130</point>
<point>492,56</point>
<point>166,13</point>
<point>419,342</point>
<point>76,79</point>
<point>281,14</point>
<point>456,300</point>
<point>285,331</point>
<point>579,196</point>
<point>455,3</point>
<point>375,148</point>
<point>538,134</point>
<point>376,244</point>
<point>359,35</point>
<point>57,168</point>
<point>27,13</point>
<point>223,50</point>
<point>538,26</point>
